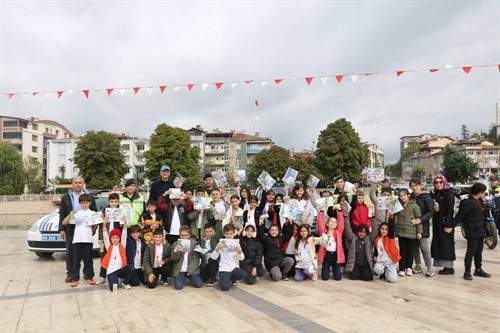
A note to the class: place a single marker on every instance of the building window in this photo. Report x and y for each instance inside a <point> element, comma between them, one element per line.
<point>34,138</point>
<point>12,135</point>
<point>18,147</point>
<point>213,147</point>
<point>23,124</point>
<point>238,146</point>
<point>57,132</point>
<point>126,147</point>
<point>34,149</point>
<point>238,157</point>
<point>10,123</point>
<point>140,159</point>
<point>140,147</point>
<point>46,130</point>
<point>225,147</point>
<point>35,127</point>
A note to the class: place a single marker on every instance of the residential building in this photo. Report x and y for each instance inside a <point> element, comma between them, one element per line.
<point>376,156</point>
<point>197,135</point>
<point>483,152</point>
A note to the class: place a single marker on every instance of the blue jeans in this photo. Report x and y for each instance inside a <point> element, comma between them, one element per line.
<point>195,280</point>
<point>330,260</point>
<point>227,277</point>
<point>252,279</point>
<point>121,273</point>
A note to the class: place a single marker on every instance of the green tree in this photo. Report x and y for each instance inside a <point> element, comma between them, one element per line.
<point>11,170</point>
<point>172,146</point>
<point>395,169</point>
<point>274,160</point>
<point>417,172</point>
<point>340,151</point>
<point>100,159</point>
<point>305,165</point>
<point>33,175</point>
<point>465,132</point>
<point>412,149</point>
<point>458,167</point>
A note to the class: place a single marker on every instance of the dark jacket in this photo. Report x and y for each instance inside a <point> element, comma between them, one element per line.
<point>252,248</point>
<point>131,249</point>
<point>159,187</point>
<point>193,267</point>
<point>471,215</point>
<point>273,246</point>
<point>424,201</point>
<point>443,244</point>
<point>67,207</point>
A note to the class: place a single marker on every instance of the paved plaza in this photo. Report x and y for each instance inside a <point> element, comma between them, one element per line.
<point>34,298</point>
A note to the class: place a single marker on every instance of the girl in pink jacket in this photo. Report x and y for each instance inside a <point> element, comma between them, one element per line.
<point>331,251</point>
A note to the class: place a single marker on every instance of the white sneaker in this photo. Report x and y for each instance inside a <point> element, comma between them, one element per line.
<point>401,273</point>
<point>408,272</point>
<point>127,287</point>
<point>100,280</point>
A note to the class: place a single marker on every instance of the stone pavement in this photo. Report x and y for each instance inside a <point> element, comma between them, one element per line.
<point>34,298</point>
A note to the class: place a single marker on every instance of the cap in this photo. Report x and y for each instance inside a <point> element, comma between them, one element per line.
<point>339,177</point>
<point>207,175</point>
<point>115,232</point>
<point>165,167</point>
<point>386,180</point>
<point>129,182</point>
<point>492,178</point>
<point>354,181</point>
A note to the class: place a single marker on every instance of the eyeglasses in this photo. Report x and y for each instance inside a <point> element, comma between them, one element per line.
<point>438,182</point>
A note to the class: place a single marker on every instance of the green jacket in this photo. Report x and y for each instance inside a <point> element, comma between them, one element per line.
<point>149,257</point>
<point>213,241</point>
<point>404,227</point>
<point>193,259</point>
<point>193,215</point>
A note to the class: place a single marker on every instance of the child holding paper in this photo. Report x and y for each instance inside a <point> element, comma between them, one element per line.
<point>199,217</point>
<point>186,261</point>
<point>234,214</point>
<point>275,259</point>
<point>300,199</point>
<point>229,270</point>
<point>150,220</point>
<point>115,260</point>
<point>136,247</point>
<point>176,215</point>
<point>82,240</point>
<point>253,214</point>
<point>386,254</point>
<point>331,251</point>
<point>305,254</point>
<point>360,259</point>
<point>210,267</point>
<point>252,249</point>
<point>157,260</point>
<point>245,193</point>
<point>360,213</point>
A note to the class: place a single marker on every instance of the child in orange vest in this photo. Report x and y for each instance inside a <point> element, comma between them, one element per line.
<point>115,260</point>
<point>386,254</point>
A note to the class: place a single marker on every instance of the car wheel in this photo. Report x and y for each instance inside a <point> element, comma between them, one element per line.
<point>44,254</point>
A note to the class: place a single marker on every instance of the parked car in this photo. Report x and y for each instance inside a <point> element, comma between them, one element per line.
<point>43,237</point>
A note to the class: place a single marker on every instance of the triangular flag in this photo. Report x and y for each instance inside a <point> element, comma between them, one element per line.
<point>433,70</point>
<point>233,84</point>
<point>340,77</point>
<point>204,86</point>
<point>59,94</point>
<point>323,79</point>
<point>399,73</point>
<point>354,78</point>
<point>467,69</point>
<point>499,67</point>
<point>248,81</point>
<point>24,97</point>
<point>86,92</point>
<point>136,90</point>
<point>278,81</point>
<point>190,86</point>
<point>263,83</point>
<point>162,89</point>
<point>309,80</point>
<point>448,66</point>
<point>218,85</point>
<point>11,95</point>
<point>70,92</point>
<point>149,91</point>
<point>123,91</point>
<point>368,74</point>
<point>34,93</point>
<point>256,103</point>
<point>176,88</point>
<point>109,91</point>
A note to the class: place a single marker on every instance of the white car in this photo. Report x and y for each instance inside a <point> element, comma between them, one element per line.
<point>43,238</point>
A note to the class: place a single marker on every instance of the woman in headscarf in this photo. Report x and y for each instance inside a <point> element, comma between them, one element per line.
<point>443,237</point>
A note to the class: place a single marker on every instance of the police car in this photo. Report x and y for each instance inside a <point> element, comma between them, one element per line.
<point>43,237</point>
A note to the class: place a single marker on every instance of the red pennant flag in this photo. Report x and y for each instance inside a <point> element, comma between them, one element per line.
<point>256,103</point>
<point>190,86</point>
<point>367,74</point>
<point>162,89</point>
<point>35,93</point>
<point>59,94</point>
<point>110,90</point>
<point>340,77</point>
<point>467,69</point>
<point>248,81</point>
<point>308,80</point>
<point>86,92</point>
<point>399,73</point>
<point>433,70</point>
<point>11,95</point>
<point>278,81</point>
<point>499,67</point>
<point>136,90</point>
<point>218,85</point>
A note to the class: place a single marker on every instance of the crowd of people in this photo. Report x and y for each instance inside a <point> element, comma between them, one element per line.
<point>243,237</point>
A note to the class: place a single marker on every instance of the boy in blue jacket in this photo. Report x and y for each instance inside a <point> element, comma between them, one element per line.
<point>136,245</point>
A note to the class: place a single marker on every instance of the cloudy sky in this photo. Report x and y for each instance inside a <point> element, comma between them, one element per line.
<point>75,45</point>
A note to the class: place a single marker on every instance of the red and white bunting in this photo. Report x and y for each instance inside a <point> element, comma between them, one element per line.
<point>204,86</point>
<point>323,79</point>
<point>263,83</point>
<point>354,78</point>
<point>233,84</point>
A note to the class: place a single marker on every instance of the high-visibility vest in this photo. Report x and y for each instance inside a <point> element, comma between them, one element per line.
<point>136,206</point>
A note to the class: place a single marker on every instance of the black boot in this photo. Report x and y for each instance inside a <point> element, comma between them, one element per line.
<point>481,273</point>
<point>467,276</point>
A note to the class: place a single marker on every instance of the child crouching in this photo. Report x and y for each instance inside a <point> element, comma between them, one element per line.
<point>186,262</point>
<point>115,260</point>
<point>157,260</point>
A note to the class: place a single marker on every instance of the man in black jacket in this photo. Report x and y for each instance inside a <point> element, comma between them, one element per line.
<point>472,216</point>
<point>69,203</point>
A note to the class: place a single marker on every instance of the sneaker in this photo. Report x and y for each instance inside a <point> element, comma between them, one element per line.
<point>408,272</point>
<point>165,283</point>
<point>468,276</point>
<point>100,280</point>
<point>314,276</point>
<point>382,276</point>
<point>430,273</point>
<point>447,271</point>
<point>234,284</point>
<point>481,273</point>
<point>68,279</point>
<point>284,277</point>
<point>127,287</point>
<point>401,273</point>
<point>91,282</point>
<point>417,269</point>
<point>211,283</point>
<point>74,283</point>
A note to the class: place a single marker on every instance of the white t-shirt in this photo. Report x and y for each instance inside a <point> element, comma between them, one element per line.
<point>158,255</point>
<point>184,267</point>
<point>251,217</point>
<point>137,257</point>
<point>332,244</point>
<point>290,249</point>
<point>176,223</point>
<point>383,256</point>
<point>304,254</point>
<point>302,205</point>
<point>200,219</point>
<point>115,261</point>
<point>82,234</point>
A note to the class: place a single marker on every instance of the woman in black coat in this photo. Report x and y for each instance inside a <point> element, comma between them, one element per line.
<point>443,236</point>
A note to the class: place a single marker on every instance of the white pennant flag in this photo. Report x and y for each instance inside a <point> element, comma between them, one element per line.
<point>176,88</point>
<point>323,79</point>
<point>123,91</point>
<point>149,91</point>
<point>70,92</point>
<point>204,86</point>
<point>233,84</point>
<point>354,78</point>
<point>448,66</point>
<point>263,83</point>
<point>24,97</point>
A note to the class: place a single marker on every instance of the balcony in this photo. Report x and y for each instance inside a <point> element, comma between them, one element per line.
<point>214,151</point>
<point>254,150</point>
<point>217,162</point>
